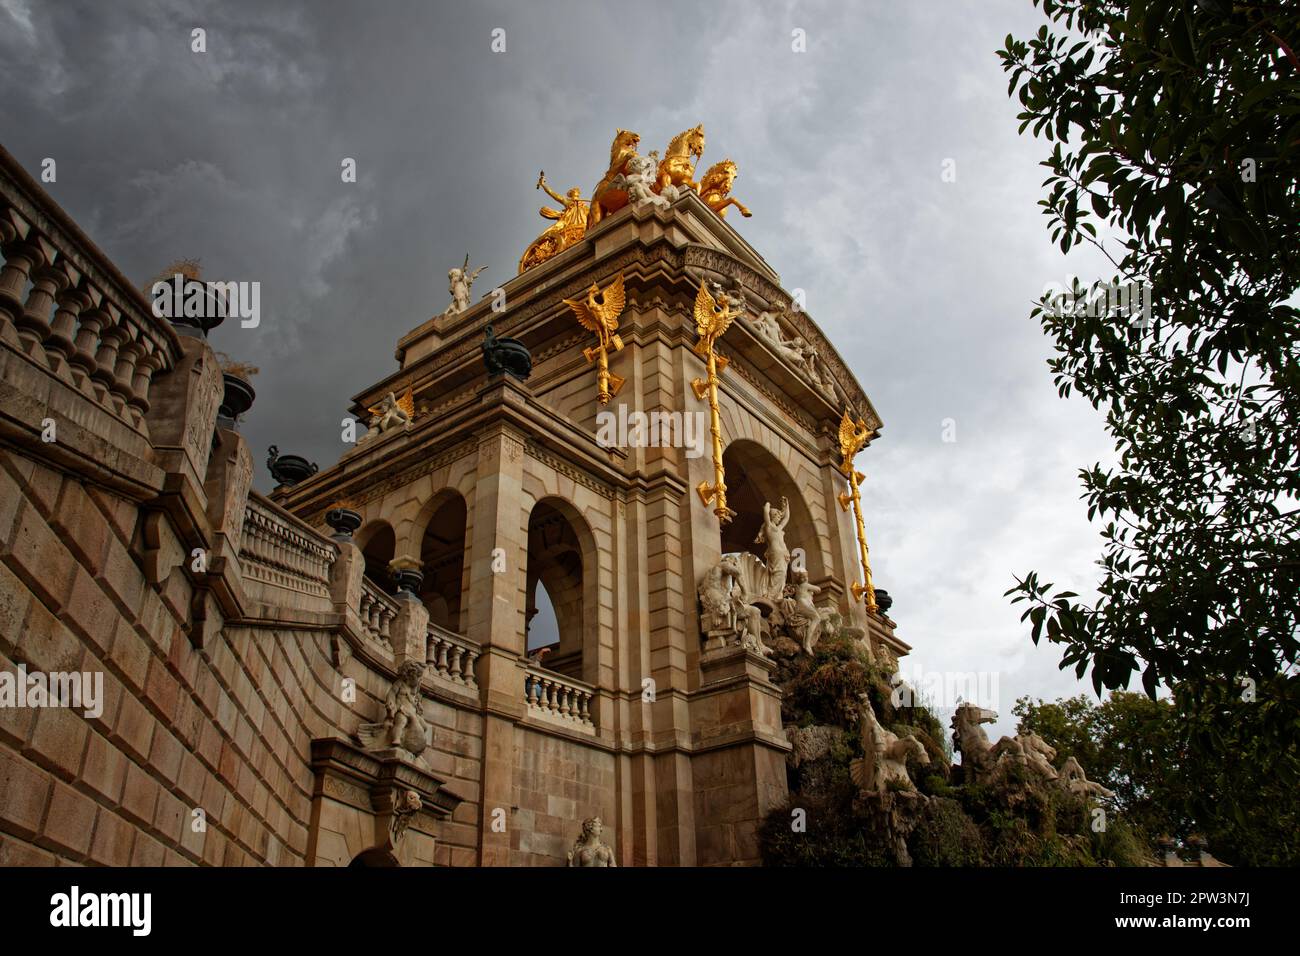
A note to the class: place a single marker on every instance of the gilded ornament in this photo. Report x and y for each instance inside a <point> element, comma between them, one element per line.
<point>599,312</point>
<point>853,436</point>
<point>712,319</point>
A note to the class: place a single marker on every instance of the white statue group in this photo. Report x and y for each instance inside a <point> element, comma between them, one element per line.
<point>801,355</point>
<point>741,591</point>
<point>985,762</point>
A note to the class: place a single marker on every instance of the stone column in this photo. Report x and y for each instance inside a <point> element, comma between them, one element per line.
<point>739,761</point>
<point>495,616</point>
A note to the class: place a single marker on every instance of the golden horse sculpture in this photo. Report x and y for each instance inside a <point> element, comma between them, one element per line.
<point>677,168</point>
<point>715,189</point>
<point>569,227</point>
<point>599,313</point>
<point>606,198</point>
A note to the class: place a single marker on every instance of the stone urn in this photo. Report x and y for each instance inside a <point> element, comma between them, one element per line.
<point>235,400</point>
<point>408,575</point>
<point>883,601</point>
<point>288,470</point>
<point>343,521</point>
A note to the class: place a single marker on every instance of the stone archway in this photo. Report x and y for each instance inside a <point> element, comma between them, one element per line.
<point>755,476</point>
<point>442,556</point>
<point>378,544</point>
<point>562,559</point>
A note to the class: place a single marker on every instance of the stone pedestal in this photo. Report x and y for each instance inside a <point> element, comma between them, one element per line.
<point>738,767</point>
<point>356,798</point>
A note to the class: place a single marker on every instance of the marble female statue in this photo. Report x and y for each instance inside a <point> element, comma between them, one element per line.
<point>777,555</point>
<point>588,849</point>
<point>802,616</point>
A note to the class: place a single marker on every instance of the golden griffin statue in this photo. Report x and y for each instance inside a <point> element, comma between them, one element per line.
<point>570,225</point>
<point>598,312</point>
<point>853,436</point>
<point>712,319</point>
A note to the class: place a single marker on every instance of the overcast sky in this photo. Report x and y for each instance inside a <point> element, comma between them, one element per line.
<point>925,286</point>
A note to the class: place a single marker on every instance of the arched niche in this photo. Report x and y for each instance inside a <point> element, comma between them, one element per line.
<point>755,476</point>
<point>377,542</point>
<point>442,555</point>
<point>562,559</point>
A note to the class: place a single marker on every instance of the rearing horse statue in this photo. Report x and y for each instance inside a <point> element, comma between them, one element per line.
<point>678,165</point>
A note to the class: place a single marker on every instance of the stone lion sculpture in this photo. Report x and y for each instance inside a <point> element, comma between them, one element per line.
<point>588,849</point>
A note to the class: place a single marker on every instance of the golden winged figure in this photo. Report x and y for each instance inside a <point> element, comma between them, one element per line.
<point>393,411</point>
<point>852,438</point>
<point>711,319</point>
<point>599,312</point>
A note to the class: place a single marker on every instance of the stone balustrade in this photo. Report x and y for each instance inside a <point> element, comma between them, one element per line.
<point>377,611</point>
<point>68,308</point>
<point>550,695</point>
<point>278,550</point>
<point>452,657</point>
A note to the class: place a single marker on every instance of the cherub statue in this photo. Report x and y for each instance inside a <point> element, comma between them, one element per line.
<point>404,724</point>
<point>588,850</point>
<point>459,282</point>
<point>392,412</point>
<point>639,181</point>
<point>569,227</point>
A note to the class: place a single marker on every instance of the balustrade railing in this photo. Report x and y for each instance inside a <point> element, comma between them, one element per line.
<point>452,657</point>
<point>70,308</point>
<point>377,612</point>
<point>562,698</point>
<point>276,549</point>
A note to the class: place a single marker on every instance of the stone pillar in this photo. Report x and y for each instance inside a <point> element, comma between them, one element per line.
<point>409,633</point>
<point>183,412</point>
<point>495,619</point>
<point>739,761</point>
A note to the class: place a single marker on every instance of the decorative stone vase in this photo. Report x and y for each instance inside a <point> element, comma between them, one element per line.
<point>883,601</point>
<point>237,399</point>
<point>408,575</point>
<point>213,312</point>
<point>343,521</point>
<point>288,470</point>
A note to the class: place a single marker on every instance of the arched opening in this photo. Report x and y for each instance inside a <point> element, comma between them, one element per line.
<point>561,570</point>
<point>755,476</point>
<point>378,544</point>
<point>442,554</point>
<point>542,625</point>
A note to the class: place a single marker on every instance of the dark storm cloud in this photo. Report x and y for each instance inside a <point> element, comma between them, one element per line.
<point>233,156</point>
